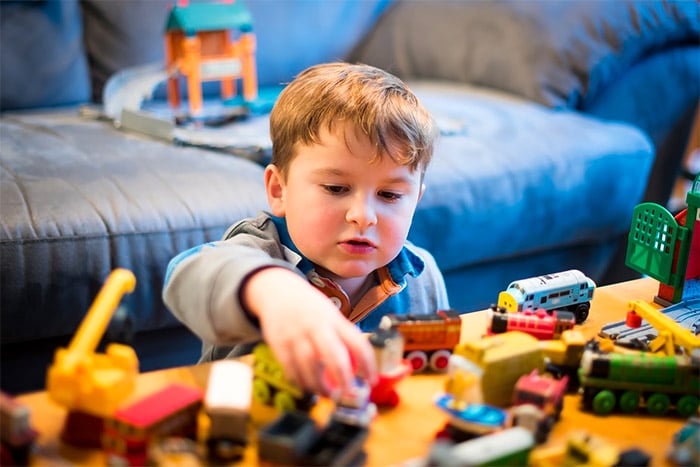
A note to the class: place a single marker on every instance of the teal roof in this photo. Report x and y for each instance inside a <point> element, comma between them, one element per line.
<point>197,17</point>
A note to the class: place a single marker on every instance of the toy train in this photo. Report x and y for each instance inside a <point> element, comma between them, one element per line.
<point>227,403</point>
<point>169,412</point>
<point>510,446</point>
<point>388,345</point>
<point>540,323</point>
<point>570,290</point>
<point>627,381</point>
<point>428,339</point>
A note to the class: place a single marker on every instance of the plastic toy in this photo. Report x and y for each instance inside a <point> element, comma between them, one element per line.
<point>542,393</point>
<point>511,446</point>
<point>16,433</point>
<point>583,449</point>
<point>503,358</point>
<point>271,387</point>
<point>388,347</point>
<point>428,339</point>
<point>563,356</point>
<point>83,380</point>
<point>294,439</point>
<point>227,403</point>
<point>611,380</point>
<point>667,248</point>
<point>171,411</point>
<point>540,323</point>
<point>472,420</point>
<point>685,446</point>
<point>210,41</point>
<point>671,335</point>
<point>570,290</point>
<point>355,407</point>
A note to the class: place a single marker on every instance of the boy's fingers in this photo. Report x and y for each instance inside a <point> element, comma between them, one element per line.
<point>361,353</point>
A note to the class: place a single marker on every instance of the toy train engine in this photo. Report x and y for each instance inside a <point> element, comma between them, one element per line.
<point>611,380</point>
<point>388,347</point>
<point>540,323</point>
<point>428,339</point>
<point>570,290</point>
<point>227,403</point>
<point>537,403</point>
<point>170,412</point>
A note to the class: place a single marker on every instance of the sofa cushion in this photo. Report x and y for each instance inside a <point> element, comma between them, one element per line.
<point>42,60</point>
<point>555,53</point>
<point>511,177</point>
<point>80,198</point>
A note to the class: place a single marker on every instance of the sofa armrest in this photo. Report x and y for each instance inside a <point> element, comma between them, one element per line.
<point>555,53</point>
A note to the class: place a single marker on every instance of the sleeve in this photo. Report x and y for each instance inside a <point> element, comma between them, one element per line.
<point>202,290</point>
<point>433,281</point>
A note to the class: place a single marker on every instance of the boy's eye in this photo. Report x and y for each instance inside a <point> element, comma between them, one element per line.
<point>335,189</point>
<point>390,195</point>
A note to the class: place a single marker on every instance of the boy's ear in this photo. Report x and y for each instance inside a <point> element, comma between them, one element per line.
<point>274,186</point>
<point>422,190</point>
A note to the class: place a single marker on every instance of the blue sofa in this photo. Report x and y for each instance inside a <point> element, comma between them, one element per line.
<point>556,119</point>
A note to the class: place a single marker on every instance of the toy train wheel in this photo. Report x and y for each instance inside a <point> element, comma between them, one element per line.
<point>439,360</point>
<point>262,392</point>
<point>604,402</point>
<point>418,360</point>
<point>284,402</point>
<point>687,406</point>
<point>658,404</point>
<point>581,312</point>
<point>629,401</point>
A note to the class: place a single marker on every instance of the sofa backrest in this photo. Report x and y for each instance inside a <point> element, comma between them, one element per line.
<point>75,46</point>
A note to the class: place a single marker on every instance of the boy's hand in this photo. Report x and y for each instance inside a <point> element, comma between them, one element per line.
<point>307,333</point>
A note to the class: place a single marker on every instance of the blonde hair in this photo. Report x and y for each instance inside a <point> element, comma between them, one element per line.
<point>376,103</point>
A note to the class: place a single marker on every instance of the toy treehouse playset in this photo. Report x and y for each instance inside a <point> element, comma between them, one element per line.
<point>206,44</point>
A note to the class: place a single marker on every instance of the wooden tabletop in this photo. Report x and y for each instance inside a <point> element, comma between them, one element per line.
<point>406,431</point>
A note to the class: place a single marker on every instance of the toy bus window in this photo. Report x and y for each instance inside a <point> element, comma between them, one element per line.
<point>530,297</point>
<point>563,293</point>
<point>554,295</point>
<point>543,300</point>
<point>583,286</point>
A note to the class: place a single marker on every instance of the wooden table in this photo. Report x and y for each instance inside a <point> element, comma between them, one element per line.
<point>406,431</point>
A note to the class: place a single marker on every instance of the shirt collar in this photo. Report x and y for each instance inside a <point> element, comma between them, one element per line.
<point>406,262</point>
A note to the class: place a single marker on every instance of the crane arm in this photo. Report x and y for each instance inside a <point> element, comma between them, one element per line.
<point>667,327</point>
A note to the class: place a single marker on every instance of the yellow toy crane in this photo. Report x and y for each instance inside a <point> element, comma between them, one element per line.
<point>83,380</point>
<point>670,333</point>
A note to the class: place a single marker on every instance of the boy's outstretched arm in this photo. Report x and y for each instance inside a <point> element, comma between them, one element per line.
<point>307,333</point>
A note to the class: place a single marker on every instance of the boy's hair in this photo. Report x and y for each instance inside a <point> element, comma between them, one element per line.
<point>376,103</point>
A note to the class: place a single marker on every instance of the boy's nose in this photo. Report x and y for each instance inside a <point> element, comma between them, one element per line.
<point>362,211</point>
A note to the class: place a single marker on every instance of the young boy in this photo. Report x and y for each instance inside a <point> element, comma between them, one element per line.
<point>350,145</point>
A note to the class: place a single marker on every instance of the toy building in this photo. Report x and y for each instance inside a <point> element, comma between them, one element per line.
<point>210,42</point>
<point>667,247</point>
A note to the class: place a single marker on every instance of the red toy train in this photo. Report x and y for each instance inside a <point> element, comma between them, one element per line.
<point>542,324</point>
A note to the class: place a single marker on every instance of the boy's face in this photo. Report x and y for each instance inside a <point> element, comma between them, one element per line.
<point>347,215</point>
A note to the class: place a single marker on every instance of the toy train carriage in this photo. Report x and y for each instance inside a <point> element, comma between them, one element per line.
<point>540,323</point>
<point>271,387</point>
<point>171,411</point>
<point>571,290</point>
<point>227,403</point>
<point>428,339</point>
<point>611,380</point>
